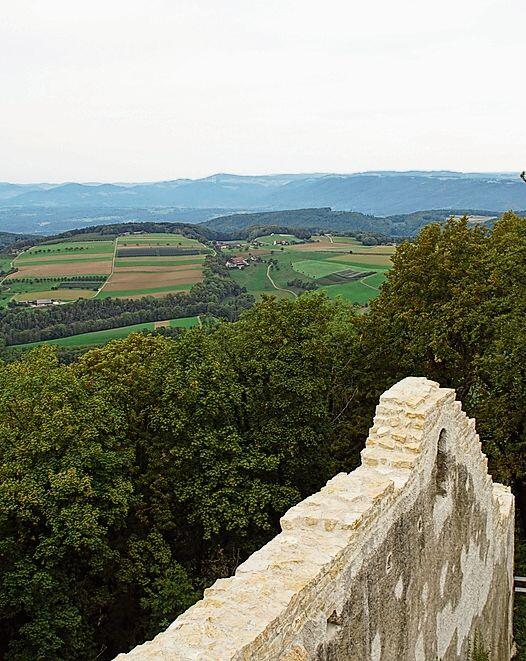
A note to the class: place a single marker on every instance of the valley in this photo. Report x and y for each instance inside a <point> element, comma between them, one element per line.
<point>340,266</point>
<point>88,287</point>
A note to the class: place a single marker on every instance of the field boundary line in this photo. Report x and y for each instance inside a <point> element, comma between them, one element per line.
<point>112,268</point>
<point>275,285</point>
<point>362,280</point>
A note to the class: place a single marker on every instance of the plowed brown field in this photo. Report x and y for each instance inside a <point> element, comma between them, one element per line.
<point>82,267</point>
<point>126,281</point>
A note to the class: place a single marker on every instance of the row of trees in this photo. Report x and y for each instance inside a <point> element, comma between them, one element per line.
<point>192,231</point>
<point>216,296</point>
<point>136,475</point>
<point>302,285</point>
<point>61,278</point>
<point>53,250</point>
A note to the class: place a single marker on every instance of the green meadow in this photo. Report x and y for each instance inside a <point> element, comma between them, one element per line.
<point>313,264</point>
<point>100,337</point>
<point>73,248</point>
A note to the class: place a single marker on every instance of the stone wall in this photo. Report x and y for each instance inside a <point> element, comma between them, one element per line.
<point>407,557</point>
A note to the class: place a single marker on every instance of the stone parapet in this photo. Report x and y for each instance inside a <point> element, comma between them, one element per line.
<point>407,557</point>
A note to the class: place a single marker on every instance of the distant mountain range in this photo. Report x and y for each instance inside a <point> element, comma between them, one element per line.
<point>51,208</point>
<point>379,193</point>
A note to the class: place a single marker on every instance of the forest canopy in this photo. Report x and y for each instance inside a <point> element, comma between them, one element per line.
<point>133,477</point>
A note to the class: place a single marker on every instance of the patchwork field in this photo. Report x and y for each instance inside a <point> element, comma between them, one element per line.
<point>317,269</point>
<point>341,266</point>
<point>127,266</point>
<point>135,265</point>
<point>44,269</point>
<point>154,264</point>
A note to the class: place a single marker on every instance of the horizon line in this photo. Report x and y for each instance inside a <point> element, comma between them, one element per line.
<point>250,175</point>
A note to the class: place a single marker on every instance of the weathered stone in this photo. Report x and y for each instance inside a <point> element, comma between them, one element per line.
<point>406,558</point>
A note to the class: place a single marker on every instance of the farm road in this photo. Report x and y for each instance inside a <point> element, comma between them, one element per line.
<point>275,285</point>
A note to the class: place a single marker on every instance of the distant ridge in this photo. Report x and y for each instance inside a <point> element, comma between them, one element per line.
<point>379,193</point>
<point>326,219</point>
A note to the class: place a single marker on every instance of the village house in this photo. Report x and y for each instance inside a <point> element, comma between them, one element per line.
<point>41,302</point>
<point>236,263</point>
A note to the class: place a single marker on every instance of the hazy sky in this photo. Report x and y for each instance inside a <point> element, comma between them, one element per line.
<point>128,90</point>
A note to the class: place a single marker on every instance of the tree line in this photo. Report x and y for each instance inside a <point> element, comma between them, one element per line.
<point>217,296</point>
<point>136,475</point>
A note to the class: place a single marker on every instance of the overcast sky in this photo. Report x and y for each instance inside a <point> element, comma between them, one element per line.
<point>132,90</point>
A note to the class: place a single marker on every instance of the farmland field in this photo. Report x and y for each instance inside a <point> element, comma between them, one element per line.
<point>154,265</point>
<point>365,259</point>
<point>135,265</point>
<point>341,266</point>
<point>132,266</point>
<point>269,240</point>
<point>57,294</point>
<point>100,337</point>
<point>317,269</point>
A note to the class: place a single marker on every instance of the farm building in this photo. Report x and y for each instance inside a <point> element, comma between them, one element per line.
<point>236,263</point>
<point>41,302</point>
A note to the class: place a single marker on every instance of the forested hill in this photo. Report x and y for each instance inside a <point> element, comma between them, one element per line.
<point>323,218</point>
<point>199,232</point>
<point>8,239</point>
<point>236,226</point>
<point>326,219</point>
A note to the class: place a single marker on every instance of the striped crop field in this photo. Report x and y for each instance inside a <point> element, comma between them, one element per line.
<point>131,265</point>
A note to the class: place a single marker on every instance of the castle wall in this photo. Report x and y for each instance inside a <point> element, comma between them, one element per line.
<point>406,558</point>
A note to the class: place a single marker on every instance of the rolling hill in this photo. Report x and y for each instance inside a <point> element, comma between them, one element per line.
<point>328,220</point>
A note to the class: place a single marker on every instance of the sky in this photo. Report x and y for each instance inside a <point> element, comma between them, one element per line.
<point>143,90</point>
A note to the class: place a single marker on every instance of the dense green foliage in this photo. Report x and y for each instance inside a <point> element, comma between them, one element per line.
<point>137,474</point>
<point>302,285</point>
<point>453,309</point>
<point>8,239</point>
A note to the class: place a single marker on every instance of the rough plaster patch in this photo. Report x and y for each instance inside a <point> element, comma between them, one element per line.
<point>425,592</point>
<point>376,648</point>
<point>419,648</point>
<point>472,601</point>
<point>399,588</point>
<point>441,511</point>
<point>443,575</point>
